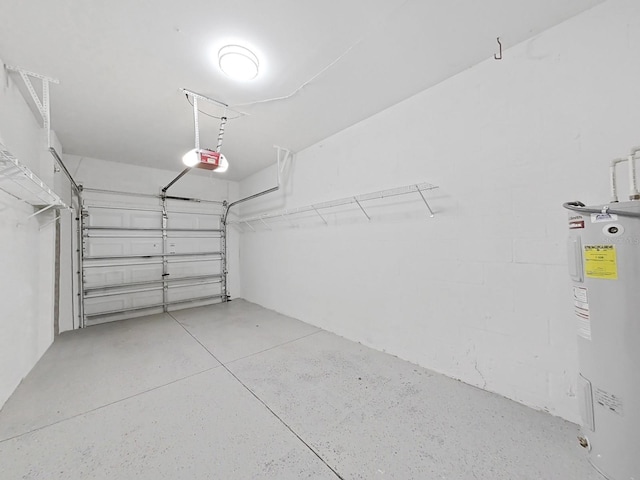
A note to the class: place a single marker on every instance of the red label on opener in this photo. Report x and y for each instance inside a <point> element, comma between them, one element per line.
<point>210,157</point>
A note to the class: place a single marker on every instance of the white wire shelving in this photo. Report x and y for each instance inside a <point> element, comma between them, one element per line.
<point>359,200</point>
<point>20,182</point>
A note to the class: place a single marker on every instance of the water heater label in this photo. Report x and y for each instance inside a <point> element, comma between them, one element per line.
<point>576,222</point>
<point>600,262</point>
<point>581,310</point>
<point>609,401</point>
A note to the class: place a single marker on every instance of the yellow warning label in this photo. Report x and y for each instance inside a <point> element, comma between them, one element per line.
<point>600,261</point>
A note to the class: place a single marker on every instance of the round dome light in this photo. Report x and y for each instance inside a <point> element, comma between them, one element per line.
<point>191,158</point>
<point>224,165</point>
<point>238,62</point>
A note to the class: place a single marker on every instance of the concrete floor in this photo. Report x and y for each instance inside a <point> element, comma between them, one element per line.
<point>234,391</point>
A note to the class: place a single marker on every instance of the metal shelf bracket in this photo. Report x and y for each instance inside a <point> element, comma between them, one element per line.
<point>42,210</point>
<point>249,225</point>
<point>266,224</point>
<point>425,201</point>
<point>319,214</point>
<point>362,208</point>
<point>43,106</point>
<point>55,219</point>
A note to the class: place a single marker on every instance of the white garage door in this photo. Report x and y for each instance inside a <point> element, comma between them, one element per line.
<point>137,260</point>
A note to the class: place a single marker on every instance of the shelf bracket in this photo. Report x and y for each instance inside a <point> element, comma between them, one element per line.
<point>56,218</point>
<point>316,210</point>
<point>43,106</point>
<point>362,208</point>
<point>249,225</point>
<point>286,217</point>
<point>282,160</point>
<point>42,210</point>
<point>266,224</point>
<point>425,201</point>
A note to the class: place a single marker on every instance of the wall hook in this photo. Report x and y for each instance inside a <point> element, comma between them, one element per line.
<point>499,56</point>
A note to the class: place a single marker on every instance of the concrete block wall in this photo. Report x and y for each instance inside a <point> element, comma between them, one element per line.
<point>480,292</point>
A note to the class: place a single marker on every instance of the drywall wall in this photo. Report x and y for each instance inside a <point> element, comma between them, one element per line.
<point>101,174</point>
<point>26,248</point>
<point>481,291</point>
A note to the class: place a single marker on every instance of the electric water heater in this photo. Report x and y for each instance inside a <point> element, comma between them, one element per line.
<point>604,265</point>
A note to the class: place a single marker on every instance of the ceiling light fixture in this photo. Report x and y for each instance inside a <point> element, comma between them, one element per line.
<point>191,158</point>
<point>224,164</point>
<point>238,62</point>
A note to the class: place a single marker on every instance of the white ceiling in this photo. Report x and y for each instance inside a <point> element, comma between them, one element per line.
<point>120,64</point>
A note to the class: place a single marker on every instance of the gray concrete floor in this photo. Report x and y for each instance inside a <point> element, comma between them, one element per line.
<point>234,391</point>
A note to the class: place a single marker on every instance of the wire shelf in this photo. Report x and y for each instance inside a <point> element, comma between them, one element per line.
<point>20,182</point>
<point>418,188</point>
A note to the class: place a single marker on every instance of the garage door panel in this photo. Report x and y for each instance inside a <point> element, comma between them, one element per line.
<point>194,221</point>
<point>106,219</point>
<point>179,293</point>
<point>201,266</point>
<point>123,218</point>
<point>193,245</point>
<point>121,301</point>
<point>145,219</point>
<point>118,275</point>
<point>126,246</point>
<point>140,273</point>
<point>96,277</point>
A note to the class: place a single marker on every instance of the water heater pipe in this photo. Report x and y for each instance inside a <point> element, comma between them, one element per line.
<point>633,181</point>
<point>580,207</point>
<point>613,178</point>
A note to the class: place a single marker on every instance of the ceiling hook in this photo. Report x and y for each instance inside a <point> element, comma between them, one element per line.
<point>499,56</point>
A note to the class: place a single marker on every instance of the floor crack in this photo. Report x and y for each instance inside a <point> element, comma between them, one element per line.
<point>108,404</point>
<point>309,447</point>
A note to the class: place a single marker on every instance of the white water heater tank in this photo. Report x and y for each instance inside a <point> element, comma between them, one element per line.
<point>604,264</point>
